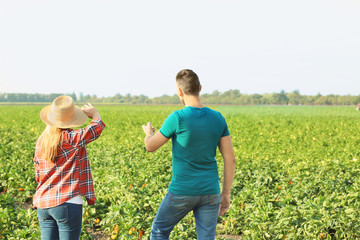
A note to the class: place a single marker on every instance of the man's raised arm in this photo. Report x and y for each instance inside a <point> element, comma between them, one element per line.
<point>153,141</point>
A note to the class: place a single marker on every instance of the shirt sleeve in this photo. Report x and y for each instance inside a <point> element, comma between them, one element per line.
<point>170,126</point>
<point>83,136</point>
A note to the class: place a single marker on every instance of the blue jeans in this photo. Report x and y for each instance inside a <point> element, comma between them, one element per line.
<point>60,222</point>
<point>175,207</point>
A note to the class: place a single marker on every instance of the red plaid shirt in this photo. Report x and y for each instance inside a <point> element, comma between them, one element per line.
<point>70,175</point>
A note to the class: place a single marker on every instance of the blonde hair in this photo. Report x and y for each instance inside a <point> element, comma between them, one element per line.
<point>51,139</point>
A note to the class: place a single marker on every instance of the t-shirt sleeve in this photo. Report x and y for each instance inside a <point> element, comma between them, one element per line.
<point>170,126</point>
<point>226,129</point>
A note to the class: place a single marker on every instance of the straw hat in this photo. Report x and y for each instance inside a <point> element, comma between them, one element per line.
<point>63,113</point>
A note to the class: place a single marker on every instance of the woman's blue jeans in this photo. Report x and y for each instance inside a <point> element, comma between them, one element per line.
<point>175,207</point>
<point>61,222</point>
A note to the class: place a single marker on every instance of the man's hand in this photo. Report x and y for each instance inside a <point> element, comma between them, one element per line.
<point>225,204</point>
<point>153,141</point>
<point>148,129</point>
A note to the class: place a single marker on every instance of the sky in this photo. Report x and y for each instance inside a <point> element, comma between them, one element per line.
<point>137,47</point>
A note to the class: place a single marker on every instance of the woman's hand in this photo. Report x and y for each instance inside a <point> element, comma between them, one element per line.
<point>90,111</point>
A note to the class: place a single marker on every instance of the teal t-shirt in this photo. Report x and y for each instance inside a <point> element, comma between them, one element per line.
<point>195,134</point>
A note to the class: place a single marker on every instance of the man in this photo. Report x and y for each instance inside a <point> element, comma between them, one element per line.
<point>196,132</point>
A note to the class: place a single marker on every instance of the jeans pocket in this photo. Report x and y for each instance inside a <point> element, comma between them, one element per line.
<point>180,202</point>
<point>41,214</point>
<point>214,199</point>
<point>60,213</point>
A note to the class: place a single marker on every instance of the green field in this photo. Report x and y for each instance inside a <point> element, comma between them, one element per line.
<point>297,176</point>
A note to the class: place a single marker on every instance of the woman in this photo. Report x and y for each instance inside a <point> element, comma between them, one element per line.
<point>62,167</point>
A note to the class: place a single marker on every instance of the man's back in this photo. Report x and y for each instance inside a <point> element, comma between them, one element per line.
<point>195,134</point>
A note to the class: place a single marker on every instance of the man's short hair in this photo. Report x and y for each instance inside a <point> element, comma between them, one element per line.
<point>189,82</point>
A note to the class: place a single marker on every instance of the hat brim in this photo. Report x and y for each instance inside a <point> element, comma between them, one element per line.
<point>79,118</point>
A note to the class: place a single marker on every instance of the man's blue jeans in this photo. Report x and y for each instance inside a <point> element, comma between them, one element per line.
<point>174,207</point>
<point>60,222</point>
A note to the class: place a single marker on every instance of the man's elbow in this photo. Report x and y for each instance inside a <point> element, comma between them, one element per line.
<point>230,160</point>
<point>149,148</point>
<point>233,161</point>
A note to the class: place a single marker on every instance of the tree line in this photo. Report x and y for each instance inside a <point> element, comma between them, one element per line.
<point>231,97</point>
